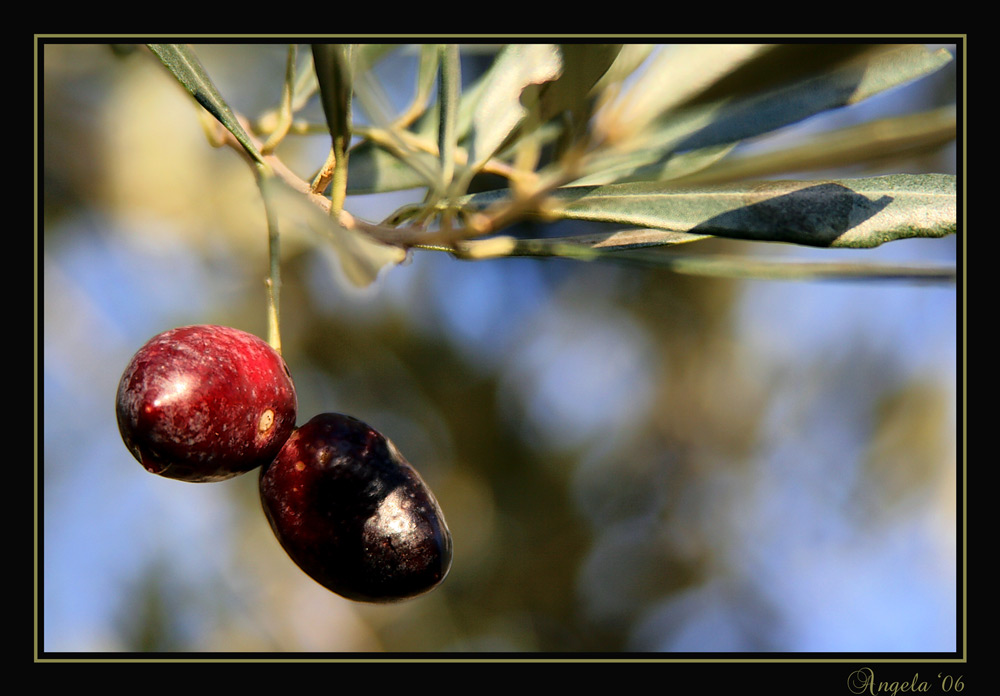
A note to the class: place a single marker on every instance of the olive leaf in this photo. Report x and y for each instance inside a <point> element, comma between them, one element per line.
<point>662,126</point>
<point>582,66</point>
<point>857,213</point>
<point>359,257</point>
<point>374,169</point>
<point>678,73</point>
<point>730,121</point>
<point>335,77</point>
<point>874,141</point>
<point>183,62</point>
<point>450,87</point>
<point>650,248</point>
<point>628,59</point>
<point>498,109</point>
<point>333,73</point>
<point>733,266</point>
<point>649,165</point>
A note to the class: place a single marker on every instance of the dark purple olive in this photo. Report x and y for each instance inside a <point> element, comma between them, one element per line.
<point>353,514</point>
<point>205,403</point>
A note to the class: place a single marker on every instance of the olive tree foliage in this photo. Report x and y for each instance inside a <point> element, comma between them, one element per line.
<point>642,142</point>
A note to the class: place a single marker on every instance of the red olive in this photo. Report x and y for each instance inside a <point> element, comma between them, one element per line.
<point>205,403</point>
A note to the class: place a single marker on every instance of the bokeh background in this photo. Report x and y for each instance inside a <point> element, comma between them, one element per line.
<point>629,460</point>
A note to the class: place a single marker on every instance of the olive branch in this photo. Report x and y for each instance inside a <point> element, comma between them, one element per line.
<point>555,133</point>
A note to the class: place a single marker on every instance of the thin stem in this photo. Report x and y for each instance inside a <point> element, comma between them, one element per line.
<point>325,174</point>
<point>338,183</point>
<point>425,81</point>
<point>265,177</point>
<point>285,109</point>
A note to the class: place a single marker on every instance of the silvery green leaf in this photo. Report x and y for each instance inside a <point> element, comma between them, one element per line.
<point>183,62</point>
<point>854,213</point>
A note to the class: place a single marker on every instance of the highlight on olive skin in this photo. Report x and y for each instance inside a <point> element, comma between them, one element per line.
<point>354,514</point>
<point>205,403</point>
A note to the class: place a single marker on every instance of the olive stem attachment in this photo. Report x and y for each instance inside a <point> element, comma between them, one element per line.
<point>265,176</point>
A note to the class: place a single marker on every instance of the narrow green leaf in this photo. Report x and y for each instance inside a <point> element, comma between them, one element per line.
<point>499,109</point>
<point>889,69</point>
<point>652,152</point>
<point>710,265</point>
<point>732,121</point>
<point>678,72</point>
<point>878,140</point>
<point>753,268</point>
<point>306,85</point>
<point>826,213</point>
<point>182,61</point>
<point>651,165</point>
<point>333,72</point>
<point>359,257</point>
<point>750,268</point>
<point>335,77</point>
<point>450,94</point>
<point>565,101</point>
<point>428,124</point>
<point>628,60</point>
<point>373,169</point>
<point>619,240</point>
<point>583,66</point>
<point>785,64</point>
